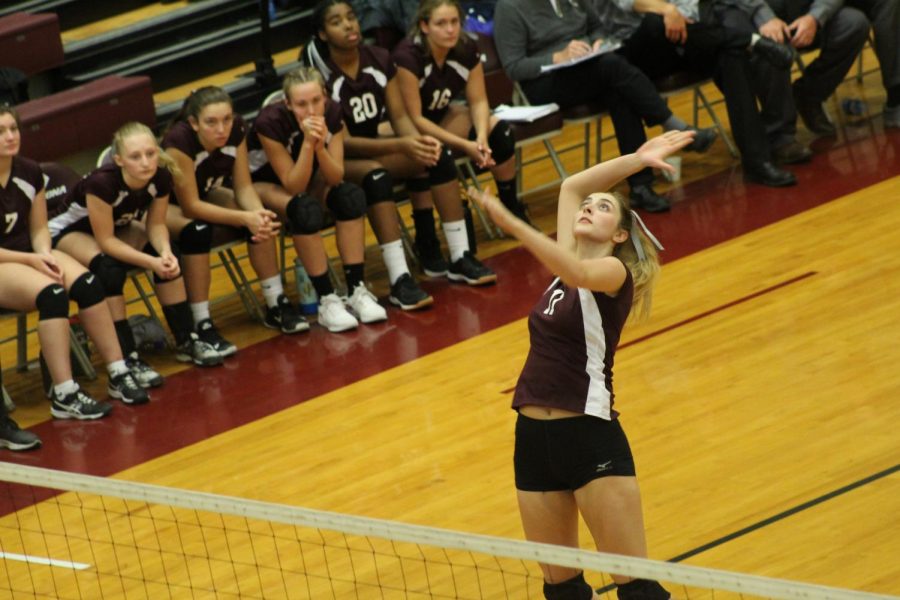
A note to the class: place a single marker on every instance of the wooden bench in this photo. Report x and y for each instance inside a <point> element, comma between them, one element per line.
<point>84,117</point>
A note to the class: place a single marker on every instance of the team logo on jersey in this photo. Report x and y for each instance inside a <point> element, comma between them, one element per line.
<point>555,297</point>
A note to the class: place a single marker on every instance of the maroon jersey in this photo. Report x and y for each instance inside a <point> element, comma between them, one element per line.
<point>211,169</point>
<point>108,184</point>
<point>26,181</point>
<point>438,85</point>
<point>278,123</point>
<point>362,99</point>
<point>574,334</point>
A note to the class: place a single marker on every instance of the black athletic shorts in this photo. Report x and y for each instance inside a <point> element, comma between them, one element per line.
<point>566,454</point>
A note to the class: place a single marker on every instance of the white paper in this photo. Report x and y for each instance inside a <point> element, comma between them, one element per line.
<point>525,113</point>
<point>606,46</point>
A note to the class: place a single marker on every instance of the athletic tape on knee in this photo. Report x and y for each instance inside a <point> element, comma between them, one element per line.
<point>445,169</point>
<point>502,142</point>
<point>571,589</point>
<point>305,215</point>
<point>111,274</point>
<point>378,186</point>
<point>52,303</point>
<point>87,291</point>
<point>196,238</point>
<point>346,202</point>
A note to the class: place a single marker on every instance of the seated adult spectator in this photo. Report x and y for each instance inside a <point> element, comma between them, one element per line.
<point>659,38</point>
<point>531,34</point>
<point>840,32</point>
<point>884,16</point>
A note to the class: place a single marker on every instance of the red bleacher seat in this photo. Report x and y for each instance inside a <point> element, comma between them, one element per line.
<point>84,117</point>
<point>30,43</point>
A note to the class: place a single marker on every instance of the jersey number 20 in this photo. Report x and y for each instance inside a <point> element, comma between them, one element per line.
<point>364,107</point>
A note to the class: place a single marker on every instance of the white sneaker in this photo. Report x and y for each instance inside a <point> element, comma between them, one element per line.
<point>333,315</point>
<point>365,305</point>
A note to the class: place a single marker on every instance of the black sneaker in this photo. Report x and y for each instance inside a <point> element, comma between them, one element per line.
<point>126,388</point>
<point>470,270</point>
<point>198,352</point>
<point>431,258</point>
<point>78,405</point>
<point>14,438</point>
<point>703,139</point>
<point>209,334</point>
<point>285,317</point>
<point>143,373</point>
<point>407,294</point>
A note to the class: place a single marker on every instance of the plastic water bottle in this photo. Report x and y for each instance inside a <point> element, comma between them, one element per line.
<point>309,302</point>
<point>853,107</point>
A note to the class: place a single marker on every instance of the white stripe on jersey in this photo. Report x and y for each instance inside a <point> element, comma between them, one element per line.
<point>336,89</point>
<point>27,189</point>
<point>257,159</point>
<point>75,213</point>
<point>379,77</point>
<point>598,402</point>
<point>426,74</point>
<point>200,158</point>
<point>463,72</point>
<point>229,151</point>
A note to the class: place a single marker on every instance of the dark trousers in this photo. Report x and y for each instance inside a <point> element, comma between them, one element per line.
<point>609,80</point>
<point>884,15</point>
<point>713,51</point>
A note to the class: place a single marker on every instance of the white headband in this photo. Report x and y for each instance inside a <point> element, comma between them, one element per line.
<point>636,222</point>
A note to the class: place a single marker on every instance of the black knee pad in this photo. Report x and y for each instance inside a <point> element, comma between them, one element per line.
<point>305,215</point>
<point>196,238</point>
<point>378,186</point>
<point>502,142</point>
<point>111,274</point>
<point>419,184</point>
<point>642,589</point>
<point>445,169</point>
<point>346,202</point>
<point>87,291</point>
<point>52,303</point>
<point>176,252</point>
<point>571,589</point>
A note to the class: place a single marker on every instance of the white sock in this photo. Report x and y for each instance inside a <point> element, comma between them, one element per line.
<point>457,240</point>
<point>394,259</point>
<point>61,390</point>
<point>200,310</point>
<point>116,368</point>
<point>271,289</point>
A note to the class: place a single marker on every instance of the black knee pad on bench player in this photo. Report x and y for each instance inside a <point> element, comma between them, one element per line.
<point>305,215</point>
<point>52,303</point>
<point>346,202</point>
<point>378,186</point>
<point>87,291</point>
<point>111,274</point>
<point>502,143</point>
<point>196,238</point>
<point>445,169</point>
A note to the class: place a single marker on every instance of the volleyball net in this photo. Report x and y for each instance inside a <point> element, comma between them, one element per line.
<point>71,536</point>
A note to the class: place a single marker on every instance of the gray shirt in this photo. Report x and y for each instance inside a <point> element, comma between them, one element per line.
<point>528,32</point>
<point>761,13</point>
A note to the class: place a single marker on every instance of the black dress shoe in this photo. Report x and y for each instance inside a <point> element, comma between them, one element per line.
<point>643,196</point>
<point>766,173</point>
<point>791,153</point>
<point>703,139</point>
<point>779,55</point>
<point>813,113</point>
